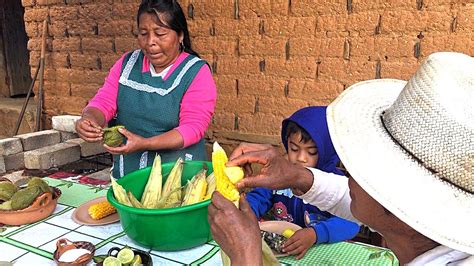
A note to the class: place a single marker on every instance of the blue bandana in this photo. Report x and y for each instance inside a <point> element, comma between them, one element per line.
<point>313,120</point>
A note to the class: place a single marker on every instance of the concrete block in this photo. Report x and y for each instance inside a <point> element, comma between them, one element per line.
<point>18,178</point>
<point>52,156</point>
<point>10,146</point>
<point>88,148</point>
<point>65,136</point>
<point>65,122</point>
<point>14,161</point>
<point>2,165</point>
<point>40,139</point>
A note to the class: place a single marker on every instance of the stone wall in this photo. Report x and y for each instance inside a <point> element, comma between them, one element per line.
<point>269,57</point>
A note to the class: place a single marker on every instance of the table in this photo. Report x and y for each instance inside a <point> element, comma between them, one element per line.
<point>34,244</point>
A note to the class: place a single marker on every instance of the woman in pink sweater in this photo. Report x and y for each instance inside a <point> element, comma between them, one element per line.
<point>163,94</point>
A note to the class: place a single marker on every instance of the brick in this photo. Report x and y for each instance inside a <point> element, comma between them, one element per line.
<point>199,27</point>
<point>300,67</point>
<point>265,8</point>
<point>232,27</point>
<point>10,146</point>
<point>262,86</point>
<point>36,140</point>
<point>241,104</point>
<point>125,10</point>
<point>2,165</point>
<point>14,161</point>
<point>213,45</point>
<point>108,59</point>
<point>49,2</point>
<point>125,44</point>
<point>52,156</point>
<point>311,46</point>
<point>246,137</point>
<point>82,27</point>
<point>97,44</point>
<point>115,27</point>
<point>66,44</point>
<point>262,123</point>
<point>65,136</point>
<point>314,7</point>
<point>209,10</point>
<point>319,90</point>
<point>226,85</point>
<point>95,11</point>
<point>88,148</point>
<point>55,88</point>
<point>36,14</point>
<point>28,3</point>
<point>65,122</point>
<point>31,29</point>
<point>60,12</point>
<point>292,26</point>
<point>237,65</point>
<point>86,91</point>
<point>87,76</point>
<point>262,46</point>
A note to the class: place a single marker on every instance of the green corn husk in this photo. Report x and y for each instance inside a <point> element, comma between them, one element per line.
<point>120,193</point>
<point>112,136</point>
<point>173,185</point>
<point>135,203</point>
<point>152,193</point>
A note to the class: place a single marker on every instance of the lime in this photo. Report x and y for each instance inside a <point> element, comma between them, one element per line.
<point>111,261</point>
<point>288,233</point>
<point>137,260</point>
<point>125,255</point>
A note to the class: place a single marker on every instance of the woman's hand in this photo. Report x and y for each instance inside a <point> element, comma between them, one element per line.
<point>88,129</point>
<point>235,230</point>
<point>300,242</point>
<point>134,143</point>
<point>276,173</point>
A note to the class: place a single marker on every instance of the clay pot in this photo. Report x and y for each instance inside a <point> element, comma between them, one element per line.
<point>63,245</point>
<point>41,208</point>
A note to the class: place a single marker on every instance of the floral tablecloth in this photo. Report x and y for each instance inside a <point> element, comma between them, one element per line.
<point>34,244</point>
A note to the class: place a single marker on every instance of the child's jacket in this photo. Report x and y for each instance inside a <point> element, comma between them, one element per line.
<point>285,206</point>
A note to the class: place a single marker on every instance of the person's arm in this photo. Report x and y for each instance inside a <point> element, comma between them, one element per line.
<point>197,107</point>
<point>101,108</point>
<point>335,229</point>
<point>330,192</point>
<point>260,200</point>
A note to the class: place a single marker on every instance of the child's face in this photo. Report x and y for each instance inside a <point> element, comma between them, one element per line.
<point>302,153</point>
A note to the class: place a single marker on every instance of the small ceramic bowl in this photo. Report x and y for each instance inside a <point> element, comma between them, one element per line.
<point>41,208</point>
<point>146,258</point>
<point>63,245</point>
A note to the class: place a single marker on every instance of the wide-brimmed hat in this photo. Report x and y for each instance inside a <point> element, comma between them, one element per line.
<point>410,145</point>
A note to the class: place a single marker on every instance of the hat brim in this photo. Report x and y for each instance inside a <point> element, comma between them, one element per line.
<point>389,174</point>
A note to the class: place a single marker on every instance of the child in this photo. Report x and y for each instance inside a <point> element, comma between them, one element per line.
<point>306,139</point>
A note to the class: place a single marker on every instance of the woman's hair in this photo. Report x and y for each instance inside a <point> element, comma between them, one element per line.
<point>174,16</point>
<point>293,128</point>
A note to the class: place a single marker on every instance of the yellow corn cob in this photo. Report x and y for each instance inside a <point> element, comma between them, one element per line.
<point>100,210</point>
<point>234,173</point>
<point>223,184</point>
<point>197,189</point>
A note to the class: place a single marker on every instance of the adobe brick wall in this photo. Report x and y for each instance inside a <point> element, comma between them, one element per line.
<point>269,57</point>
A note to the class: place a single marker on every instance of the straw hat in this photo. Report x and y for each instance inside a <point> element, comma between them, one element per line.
<point>410,145</point>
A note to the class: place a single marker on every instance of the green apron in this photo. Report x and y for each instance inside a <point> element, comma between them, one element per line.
<point>149,106</point>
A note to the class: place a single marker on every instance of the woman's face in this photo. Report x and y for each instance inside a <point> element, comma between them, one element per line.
<point>302,153</point>
<point>159,44</point>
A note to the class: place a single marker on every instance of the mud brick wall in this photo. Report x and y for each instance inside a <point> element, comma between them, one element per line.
<point>269,57</point>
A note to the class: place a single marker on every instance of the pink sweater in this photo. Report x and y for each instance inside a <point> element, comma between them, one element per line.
<point>197,105</point>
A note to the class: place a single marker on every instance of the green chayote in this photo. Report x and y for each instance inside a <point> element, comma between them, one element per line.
<point>112,136</point>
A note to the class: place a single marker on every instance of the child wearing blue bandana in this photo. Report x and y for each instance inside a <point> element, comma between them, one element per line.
<point>306,139</point>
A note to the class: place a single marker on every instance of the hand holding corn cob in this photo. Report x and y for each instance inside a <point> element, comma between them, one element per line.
<point>223,182</point>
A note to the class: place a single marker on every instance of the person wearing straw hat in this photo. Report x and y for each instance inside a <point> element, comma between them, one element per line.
<point>409,149</point>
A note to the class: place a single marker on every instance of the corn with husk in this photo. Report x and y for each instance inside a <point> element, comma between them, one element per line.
<point>196,189</point>
<point>171,193</point>
<point>152,192</point>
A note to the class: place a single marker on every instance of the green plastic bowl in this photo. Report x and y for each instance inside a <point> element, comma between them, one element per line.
<point>163,229</point>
